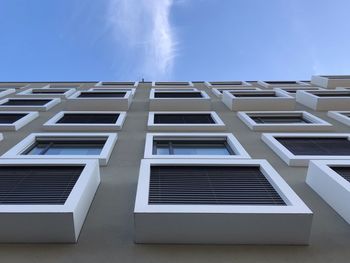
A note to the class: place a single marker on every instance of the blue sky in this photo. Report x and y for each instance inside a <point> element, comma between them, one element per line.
<point>173,39</point>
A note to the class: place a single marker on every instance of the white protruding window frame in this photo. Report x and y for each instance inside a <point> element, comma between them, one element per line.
<point>297,84</point>
<point>52,125</point>
<point>229,220</point>
<point>173,84</point>
<point>90,103</point>
<point>6,92</point>
<point>34,223</point>
<point>53,102</point>
<point>330,83</point>
<point>301,160</point>
<point>233,143</point>
<point>330,185</point>
<point>28,93</point>
<point>284,90</point>
<point>106,88</point>
<point>167,104</point>
<point>282,101</point>
<point>314,102</point>
<point>119,84</point>
<point>103,157</point>
<point>30,116</point>
<point>317,124</point>
<point>62,85</point>
<point>226,84</point>
<point>15,85</point>
<point>217,92</point>
<point>339,116</point>
<point>219,125</point>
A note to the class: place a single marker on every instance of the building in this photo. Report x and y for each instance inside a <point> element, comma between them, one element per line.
<point>137,172</point>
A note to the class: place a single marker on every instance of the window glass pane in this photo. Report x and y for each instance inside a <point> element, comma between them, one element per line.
<point>162,150</point>
<point>200,149</point>
<point>64,148</point>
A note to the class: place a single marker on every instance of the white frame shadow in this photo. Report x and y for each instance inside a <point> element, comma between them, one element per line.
<point>17,150</point>
<point>317,124</point>
<point>233,143</point>
<point>221,224</point>
<point>301,160</point>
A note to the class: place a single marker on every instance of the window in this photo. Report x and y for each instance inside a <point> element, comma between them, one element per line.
<point>331,81</point>
<point>14,120</point>
<point>217,84</point>
<point>52,92</point>
<point>65,145</point>
<point>118,89</point>
<point>324,99</point>
<point>331,180</point>
<point>293,90</point>
<point>63,85</point>
<point>272,84</point>
<point>49,192</point>
<point>297,149</point>
<point>341,116</point>
<point>283,121</point>
<point>184,121</point>
<point>258,100</point>
<point>179,100</point>
<point>41,104</point>
<point>6,91</point>
<point>172,84</point>
<point>219,91</point>
<point>195,145</point>
<point>221,194</point>
<point>92,100</point>
<point>130,84</point>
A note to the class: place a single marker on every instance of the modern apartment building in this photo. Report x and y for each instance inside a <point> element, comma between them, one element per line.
<point>248,171</point>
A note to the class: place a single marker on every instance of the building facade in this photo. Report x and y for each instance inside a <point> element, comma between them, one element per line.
<point>175,171</point>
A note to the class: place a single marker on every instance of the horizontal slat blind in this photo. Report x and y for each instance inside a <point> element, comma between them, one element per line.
<point>220,185</point>
<point>37,184</point>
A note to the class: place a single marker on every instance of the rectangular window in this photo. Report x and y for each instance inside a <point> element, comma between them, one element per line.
<point>258,100</point>
<point>7,118</point>
<point>89,118</point>
<point>323,100</point>
<point>297,149</point>
<point>221,195</point>
<point>90,94</point>
<point>280,119</point>
<point>330,180</point>
<point>42,185</point>
<point>86,121</point>
<point>283,121</point>
<point>160,118</point>
<point>185,121</point>
<point>49,91</point>
<point>65,145</point>
<point>341,116</point>
<point>271,84</point>
<point>206,185</point>
<point>316,146</point>
<point>25,102</point>
<point>178,95</point>
<point>45,201</point>
<point>198,145</point>
<point>178,147</point>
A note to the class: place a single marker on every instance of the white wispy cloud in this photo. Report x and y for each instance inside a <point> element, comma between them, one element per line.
<point>144,27</point>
